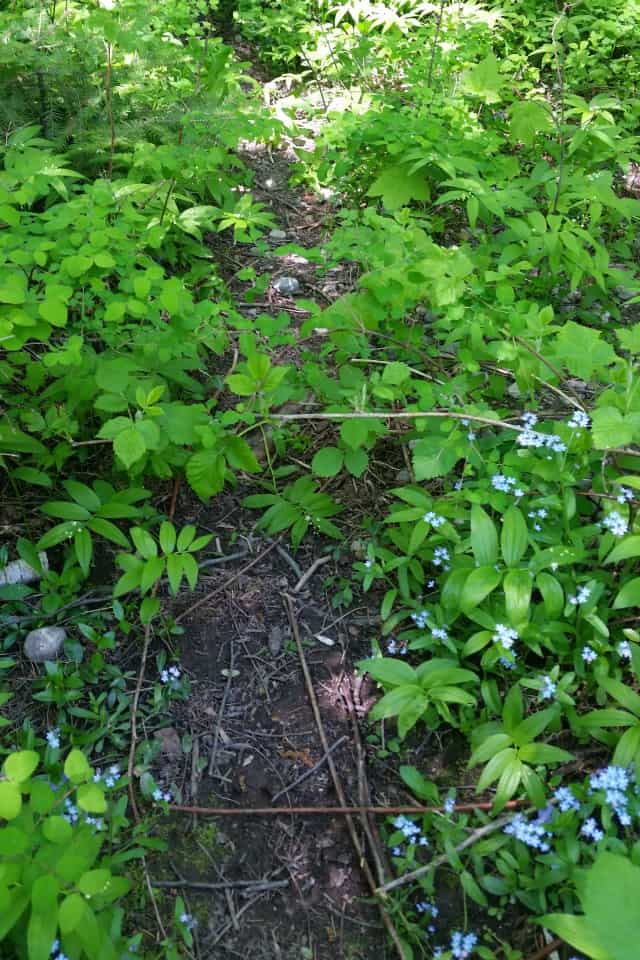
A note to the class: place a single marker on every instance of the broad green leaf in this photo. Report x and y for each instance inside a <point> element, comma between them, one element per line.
<point>611,428</point>
<point>54,312</point>
<point>388,670</point>
<point>13,842</point>
<point>94,882</point>
<point>625,696</point>
<point>83,495</point>
<point>629,596</point>
<point>513,709</point>
<point>484,80</point>
<point>394,702</point>
<point>495,768</point>
<point>517,594</point>
<point>151,573</point>
<point>508,784</point>
<point>65,510</point>
<point>91,798</point>
<point>43,921</point>
<point>514,536</point>
<point>71,912</point>
<point>77,768</point>
<point>108,530</point>
<point>240,455</point>
<point>10,800</point>
<point>478,585</point>
<point>174,572</point>
<point>397,187</point>
<point>529,117</point>
<point>84,549</point>
<point>356,462</point>
<point>609,717</point>
<point>185,537</point>
<point>57,829</point>
<point>484,537</point>
<point>527,730</point>
<point>491,746</point>
<point>144,542</point>
<point>627,548</point>
<point>19,766</point>
<point>190,569</point>
<point>205,472</point>
<point>129,446</point>
<point>167,537</point>
<point>536,753</point>
<point>552,594</point>
<point>594,355</point>
<point>419,785</point>
<point>327,462</point>
<point>627,750</point>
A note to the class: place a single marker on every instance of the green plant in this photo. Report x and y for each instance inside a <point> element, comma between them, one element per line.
<point>61,881</point>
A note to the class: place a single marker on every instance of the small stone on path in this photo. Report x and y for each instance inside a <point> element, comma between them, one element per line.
<point>45,643</point>
<point>287,286</point>
<point>277,235</point>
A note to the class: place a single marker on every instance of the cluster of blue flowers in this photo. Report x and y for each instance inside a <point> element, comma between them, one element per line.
<point>548,688</point>
<point>625,495</point>
<point>506,485</point>
<point>616,524</point>
<point>109,778</point>
<point>394,647</point>
<point>530,832</point>
<point>72,815</point>
<point>159,795</point>
<point>434,519</point>
<point>532,438</point>
<point>540,514</point>
<point>171,676</point>
<point>411,832</point>
<point>428,909</point>
<point>53,738</point>
<point>188,921</point>
<point>56,952</point>
<point>441,557</point>
<point>505,636</point>
<point>420,618</point>
<point>615,782</point>
<point>588,654</point>
<point>624,650</point>
<point>461,946</point>
<point>566,800</point>
<point>578,420</point>
<point>581,596</point>
<point>449,804</point>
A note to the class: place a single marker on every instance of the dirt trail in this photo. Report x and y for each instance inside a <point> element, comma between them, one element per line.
<point>249,718</point>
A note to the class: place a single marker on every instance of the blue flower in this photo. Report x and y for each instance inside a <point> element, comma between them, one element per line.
<point>548,688</point>
<point>588,654</point>
<point>531,833</point>
<point>591,830</point>
<point>53,738</point>
<point>566,800</point>
<point>462,944</point>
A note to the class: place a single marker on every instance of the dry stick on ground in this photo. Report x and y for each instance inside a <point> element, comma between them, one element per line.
<point>386,919</point>
<point>227,583</point>
<point>399,415</point>
<point>444,858</point>
<point>253,886</point>
<point>546,950</point>
<point>216,735</point>
<point>304,579</point>
<point>310,773</point>
<point>364,798</point>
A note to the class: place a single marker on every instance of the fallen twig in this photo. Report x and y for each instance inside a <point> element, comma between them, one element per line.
<point>309,573</point>
<point>438,861</point>
<point>253,886</point>
<point>314,769</point>
<point>216,735</point>
<point>546,950</point>
<point>364,865</point>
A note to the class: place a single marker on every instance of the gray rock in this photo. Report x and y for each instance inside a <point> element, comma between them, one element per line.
<point>277,235</point>
<point>287,286</point>
<point>45,643</point>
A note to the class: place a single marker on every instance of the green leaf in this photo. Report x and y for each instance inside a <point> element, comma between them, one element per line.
<point>83,495</point>
<point>356,462</point>
<point>190,568</point>
<point>84,549</point>
<point>594,355</point>
<point>19,766</point>
<point>54,312</point>
<point>71,912</point>
<point>327,462</point>
<point>629,596</point>
<point>144,542</point>
<point>491,746</point>
<point>552,594</point>
<point>394,702</point>
<point>91,798</point>
<point>514,537</point>
<point>508,784</point>
<point>478,585</point>
<point>388,670</point>
<point>13,288</point>
<point>513,710</point>
<point>94,882</point>
<point>627,548</point>
<point>495,768</point>
<point>43,921</point>
<point>30,475</point>
<point>185,537</point>
<point>129,446</point>
<point>517,594</point>
<point>151,573</point>
<point>529,117</point>
<point>536,753</point>
<point>174,572</point>
<point>167,537</point>
<point>10,800</point>
<point>43,798</point>
<point>13,842</point>
<point>484,537</point>
<point>108,530</point>
<point>527,730</point>
<point>419,785</point>
<point>611,428</point>
<point>64,510</point>
<point>57,829</point>
<point>484,80</point>
<point>205,472</point>
<point>240,455</point>
<point>77,768</point>
<point>397,187</point>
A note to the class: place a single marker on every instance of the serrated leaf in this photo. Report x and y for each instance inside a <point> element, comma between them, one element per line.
<point>129,446</point>
<point>397,187</point>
